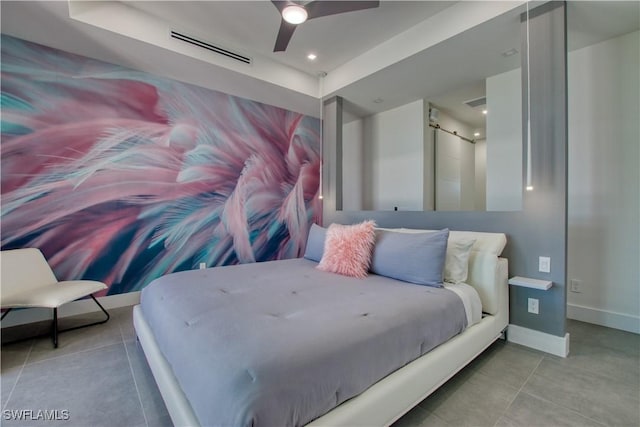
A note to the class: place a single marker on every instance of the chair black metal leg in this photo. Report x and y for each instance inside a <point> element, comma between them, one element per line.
<point>101,308</point>
<point>90,324</point>
<point>55,327</point>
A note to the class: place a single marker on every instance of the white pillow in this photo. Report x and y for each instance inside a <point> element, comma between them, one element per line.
<point>456,267</point>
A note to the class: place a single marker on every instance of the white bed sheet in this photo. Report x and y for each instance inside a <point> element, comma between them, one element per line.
<point>471,300</point>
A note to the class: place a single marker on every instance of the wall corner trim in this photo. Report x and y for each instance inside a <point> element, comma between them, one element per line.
<point>552,344</point>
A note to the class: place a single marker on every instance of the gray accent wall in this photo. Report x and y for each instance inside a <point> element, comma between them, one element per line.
<point>540,229</point>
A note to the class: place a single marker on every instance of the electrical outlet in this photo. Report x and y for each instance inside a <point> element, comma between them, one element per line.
<point>575,285</point>
<point>544,264</point>
<point>533,306</point>
<point>203,265</point>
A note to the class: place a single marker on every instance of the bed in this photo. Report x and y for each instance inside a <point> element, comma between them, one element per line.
<point>351,360</point>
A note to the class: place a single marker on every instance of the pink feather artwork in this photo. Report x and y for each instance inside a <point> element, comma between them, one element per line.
<point>123,176</point>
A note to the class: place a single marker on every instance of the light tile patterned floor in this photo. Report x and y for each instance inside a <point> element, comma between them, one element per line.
<point>100,376</point>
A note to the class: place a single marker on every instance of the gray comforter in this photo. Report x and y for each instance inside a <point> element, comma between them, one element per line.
<point>281,343</point>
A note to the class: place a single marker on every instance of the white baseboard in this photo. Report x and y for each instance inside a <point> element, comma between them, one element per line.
<point>610,319</point>
<point>542,341</point>
<point>30,315</point>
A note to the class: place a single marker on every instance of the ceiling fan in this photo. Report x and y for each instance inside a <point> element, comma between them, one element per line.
<point>294,14</point>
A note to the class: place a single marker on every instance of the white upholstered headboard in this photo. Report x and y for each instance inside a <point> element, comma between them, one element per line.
<point>487,274</point>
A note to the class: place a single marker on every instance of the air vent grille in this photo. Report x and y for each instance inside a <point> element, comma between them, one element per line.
<point>475,103</point>
<point>213,48</point>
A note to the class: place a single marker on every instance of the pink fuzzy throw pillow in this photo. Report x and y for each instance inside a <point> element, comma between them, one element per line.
<point>348,249</point>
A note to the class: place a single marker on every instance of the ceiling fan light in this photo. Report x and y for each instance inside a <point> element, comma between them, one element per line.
<point>294,14</point>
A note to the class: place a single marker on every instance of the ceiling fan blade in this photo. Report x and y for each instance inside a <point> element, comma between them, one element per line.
<point>280,4</point>
<point>319,8</point>
<point>284,36</point>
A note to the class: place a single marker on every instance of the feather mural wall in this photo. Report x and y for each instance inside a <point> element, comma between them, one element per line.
<point>122,176</point>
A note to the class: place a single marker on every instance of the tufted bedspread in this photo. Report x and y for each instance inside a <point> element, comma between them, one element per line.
<point>281,343</point>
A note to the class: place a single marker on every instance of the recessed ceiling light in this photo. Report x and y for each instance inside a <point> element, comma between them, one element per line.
<point>509,52</point>
<point>378,100</point>
<point>476,134</point>
<point>484,112</point>
<point>312,56</point>
<point>294,14</point>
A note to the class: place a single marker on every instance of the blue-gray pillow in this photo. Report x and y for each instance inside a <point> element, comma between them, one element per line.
<point>411,257</point>
<point>315,243</point>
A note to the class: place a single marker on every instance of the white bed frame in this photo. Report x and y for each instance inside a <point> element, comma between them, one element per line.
<point>393,396</point>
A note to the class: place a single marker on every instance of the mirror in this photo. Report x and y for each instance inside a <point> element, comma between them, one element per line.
<point>414,136</point>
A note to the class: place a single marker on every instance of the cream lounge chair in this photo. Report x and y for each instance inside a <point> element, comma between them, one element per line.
<point>27,281</point>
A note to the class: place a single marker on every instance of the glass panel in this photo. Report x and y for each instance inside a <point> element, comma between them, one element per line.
<point>441,129</point>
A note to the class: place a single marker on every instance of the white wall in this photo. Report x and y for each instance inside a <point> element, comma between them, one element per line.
<point>448,186</point>
<point>603,181</point>
<point>352,162</point>
<point>455,166</point>
<point>428,152</point>
<point>394,143</point>
<point>480,195</point>
<point>504,142</point>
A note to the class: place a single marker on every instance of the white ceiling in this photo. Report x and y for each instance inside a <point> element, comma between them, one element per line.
<point>50,23</point>
<point>590,22</point>
<point>368,40</point>
<point>446,74</point>
<point>455,70</point>
<point>386,52</point>
<point>251,27</point>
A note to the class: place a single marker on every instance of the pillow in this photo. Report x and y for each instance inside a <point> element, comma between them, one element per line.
<point>411,257</point>
<point>459,247</point>
<point>485,242</point>
<point>347,249</point>
<point>315,243</point>
<point>456,266</point>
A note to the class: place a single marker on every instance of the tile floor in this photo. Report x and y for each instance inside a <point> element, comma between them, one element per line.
<point>100,376</point>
